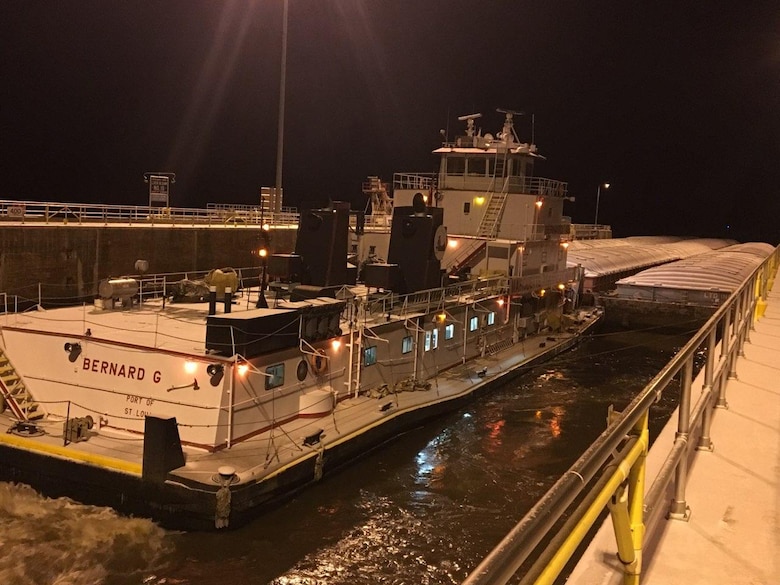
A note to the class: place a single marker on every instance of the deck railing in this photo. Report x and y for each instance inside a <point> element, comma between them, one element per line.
<point>611,472</point>
<point>149,286</point>
<point>383,304</point>
<point>214,215</point>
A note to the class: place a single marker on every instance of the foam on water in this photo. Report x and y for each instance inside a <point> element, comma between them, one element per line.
<point>60,542</point>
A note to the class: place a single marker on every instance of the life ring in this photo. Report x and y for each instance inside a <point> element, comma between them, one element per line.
<point>319,362</point>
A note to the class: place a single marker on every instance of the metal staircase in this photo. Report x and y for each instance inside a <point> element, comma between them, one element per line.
<point>488,227</point>
<point>471,253</point>
<point>15,393</point>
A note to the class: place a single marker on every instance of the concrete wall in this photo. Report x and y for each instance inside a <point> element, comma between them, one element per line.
<point>70,261</point>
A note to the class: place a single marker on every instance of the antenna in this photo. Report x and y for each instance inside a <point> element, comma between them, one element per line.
<point>508,124</point>
<point>469,119</point>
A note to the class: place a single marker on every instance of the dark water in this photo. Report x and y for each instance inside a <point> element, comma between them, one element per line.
<point>424,509</point>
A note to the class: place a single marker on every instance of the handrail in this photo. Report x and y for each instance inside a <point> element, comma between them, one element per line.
<point>633,512</point>
<point>214,215</point>
<point>150,286</point>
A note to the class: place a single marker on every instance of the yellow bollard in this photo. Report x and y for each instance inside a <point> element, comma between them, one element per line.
<point>760,309</point>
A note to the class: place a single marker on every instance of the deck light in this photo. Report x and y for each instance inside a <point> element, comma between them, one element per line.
<point>539,203</point>
<point>190,366</point>
<point>501,302</point>
<point>336,344</point>
<point>74,351</point>
<point>452,243</point>
<point>561,286</point>
<point>479,200</point>
<point>215,371</point>
<point>243,368</point>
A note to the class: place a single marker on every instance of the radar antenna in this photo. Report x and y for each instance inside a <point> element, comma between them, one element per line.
<point>509,128</point>
<point>469,119</point>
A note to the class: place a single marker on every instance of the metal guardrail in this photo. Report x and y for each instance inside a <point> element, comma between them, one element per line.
<point>611,472</point>
<point>433,299</point>
<point>441,298</point>
<point>80,213</point>
<point>149,286</point>
<point>422,181</point>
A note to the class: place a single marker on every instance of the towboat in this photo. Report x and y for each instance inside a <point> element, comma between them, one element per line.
<point>200,408</point>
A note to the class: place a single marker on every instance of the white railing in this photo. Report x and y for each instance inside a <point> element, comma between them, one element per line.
<point>149,286</point>
<point>421,181</point>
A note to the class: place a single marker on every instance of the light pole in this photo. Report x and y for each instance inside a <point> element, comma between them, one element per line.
<point>282,84</point>
<point>598,196</point>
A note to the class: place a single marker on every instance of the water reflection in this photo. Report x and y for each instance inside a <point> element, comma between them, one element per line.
<point>424,509</point>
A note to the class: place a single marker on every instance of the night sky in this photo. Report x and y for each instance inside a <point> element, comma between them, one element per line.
<point>676,104</point>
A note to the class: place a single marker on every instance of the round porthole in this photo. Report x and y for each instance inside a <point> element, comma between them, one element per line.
<point>303,370</point>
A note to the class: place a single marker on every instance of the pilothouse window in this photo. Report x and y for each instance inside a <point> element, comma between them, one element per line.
<point>456,165</point>
<point>476,166</point>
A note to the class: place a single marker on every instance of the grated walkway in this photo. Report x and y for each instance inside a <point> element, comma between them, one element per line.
<point>733,532</point>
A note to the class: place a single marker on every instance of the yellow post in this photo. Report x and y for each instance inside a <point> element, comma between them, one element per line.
<point>631,530</point>
<point>621,524</point>
<point>636,502</point>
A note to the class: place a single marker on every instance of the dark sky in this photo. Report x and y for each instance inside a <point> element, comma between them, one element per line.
<point>677,104</point>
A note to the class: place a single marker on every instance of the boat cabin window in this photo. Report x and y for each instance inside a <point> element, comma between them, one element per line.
<point>473,323</point>
<point>449,331</point>
<point>467,207</point>
<point>491,318</point>
<point>476,166</point>
<point>407,344</point>
<point>456,165</point>
<point>369,356</point>
<point>517,167</point>
<point>275,376</point>
<point>431,339</point>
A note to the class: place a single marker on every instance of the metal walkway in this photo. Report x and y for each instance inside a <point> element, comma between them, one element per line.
<point>732,534</point>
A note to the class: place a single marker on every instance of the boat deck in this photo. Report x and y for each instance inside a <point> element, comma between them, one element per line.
<point>733,531</point>
<point>181,328</point>
<point>178,327</point>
